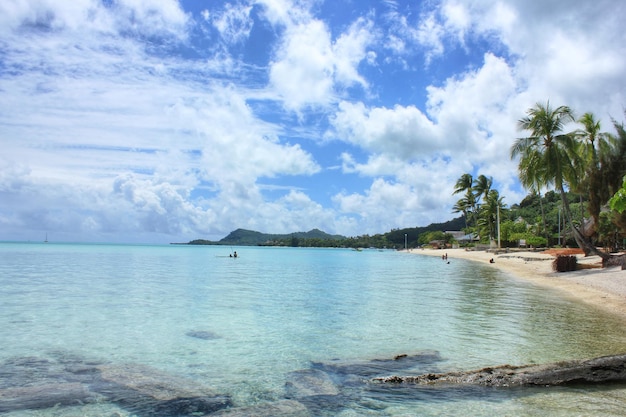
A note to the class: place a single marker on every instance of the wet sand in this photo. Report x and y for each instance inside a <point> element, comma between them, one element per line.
<point>604,288</point>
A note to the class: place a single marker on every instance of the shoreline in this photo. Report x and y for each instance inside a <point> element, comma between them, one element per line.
<point>604,288</point>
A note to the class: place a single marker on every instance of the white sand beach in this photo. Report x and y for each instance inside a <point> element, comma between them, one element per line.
<point>602,287</point>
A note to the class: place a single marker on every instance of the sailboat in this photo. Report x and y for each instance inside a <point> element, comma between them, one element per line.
<point>46,241</point>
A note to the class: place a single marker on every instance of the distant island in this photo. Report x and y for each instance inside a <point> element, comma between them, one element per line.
<point>393,239</point>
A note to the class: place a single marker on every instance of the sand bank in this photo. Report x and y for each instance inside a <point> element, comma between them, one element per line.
<point>601,287</point>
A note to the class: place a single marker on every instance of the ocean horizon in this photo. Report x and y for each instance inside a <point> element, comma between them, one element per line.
<point>303,330</point>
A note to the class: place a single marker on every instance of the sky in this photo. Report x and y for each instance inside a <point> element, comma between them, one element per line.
<point>138,121</point>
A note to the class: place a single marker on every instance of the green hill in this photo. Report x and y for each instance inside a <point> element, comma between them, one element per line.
<point>318,238</point>
<point>245,237</point>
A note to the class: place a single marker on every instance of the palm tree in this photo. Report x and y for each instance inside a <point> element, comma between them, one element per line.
<point>481,187</point>
<point>594,148</point>
<point>466,205</point>
<point>489,212</point>
<point>464,183</point>
<point>549,157</point>
<point>533,183</point>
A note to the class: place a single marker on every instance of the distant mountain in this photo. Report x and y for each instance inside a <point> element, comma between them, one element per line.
<point>243,237</point>
<point>250,237</point>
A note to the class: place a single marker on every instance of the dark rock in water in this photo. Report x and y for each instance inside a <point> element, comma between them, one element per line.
<point>283,408</point>
<point>598,370</point>
<point>202,334</point>
<point>379,366</point>
<point>310,382</point>
<point>149,392</point>
<point>34,383</point>
<point>45,396</point>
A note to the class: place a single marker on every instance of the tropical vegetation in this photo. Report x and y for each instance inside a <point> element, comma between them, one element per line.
<point>577,196</point>
<point>586,162</point>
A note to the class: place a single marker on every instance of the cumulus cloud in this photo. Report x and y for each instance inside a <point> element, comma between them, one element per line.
<point>310,68</point>
<point>155,119</point>
<point>403,132</point>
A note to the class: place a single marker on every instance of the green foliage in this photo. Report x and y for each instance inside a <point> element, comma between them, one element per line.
<point>202,242</point>
<point>618,201</point>
<point>531,239</point>
<point>510,227</point>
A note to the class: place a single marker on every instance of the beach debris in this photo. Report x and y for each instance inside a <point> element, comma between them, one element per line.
<point>202,334</point>
<point>598,370</point>
<point>615,260</point>
<point>565,263</point>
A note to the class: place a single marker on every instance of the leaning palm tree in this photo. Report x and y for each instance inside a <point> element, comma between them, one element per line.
<point>550,157</point>
<point>595,147</point>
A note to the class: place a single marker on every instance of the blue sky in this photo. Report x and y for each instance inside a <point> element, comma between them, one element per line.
<point>166,121</point>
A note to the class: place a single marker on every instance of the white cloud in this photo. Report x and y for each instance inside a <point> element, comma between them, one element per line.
<point>103,132</point>
<point>310,68</point>
<point>402,132</point>
<point>383,206</point>
<point>303,71</point>
<point>349,50</point>
<point>233,23</point>
<point>143,17</point>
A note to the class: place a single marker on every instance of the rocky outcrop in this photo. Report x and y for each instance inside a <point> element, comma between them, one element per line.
<point>379,366</point>
<point>598,370</point>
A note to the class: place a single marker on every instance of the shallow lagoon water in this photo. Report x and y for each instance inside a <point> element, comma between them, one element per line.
<point>244,325</point>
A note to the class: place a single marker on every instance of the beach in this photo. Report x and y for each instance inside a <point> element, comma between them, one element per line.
<point>604,288</point>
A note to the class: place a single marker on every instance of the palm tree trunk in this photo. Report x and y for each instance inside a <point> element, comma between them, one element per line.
<point>581,241</point>
<point>543,217</point>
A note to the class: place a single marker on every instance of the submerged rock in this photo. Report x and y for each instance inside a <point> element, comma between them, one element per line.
<point>598,370</point>
<point>45,396</point>
<point>202,334</point>
<point>374,367</point>
<point>310,382</point>
<point>67,380</point>
<point>283,408</point>
<point>149,392</point>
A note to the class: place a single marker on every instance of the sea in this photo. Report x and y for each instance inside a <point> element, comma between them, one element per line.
<point>131,330</point>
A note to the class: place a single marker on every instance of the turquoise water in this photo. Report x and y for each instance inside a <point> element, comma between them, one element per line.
<point>274,311</point>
